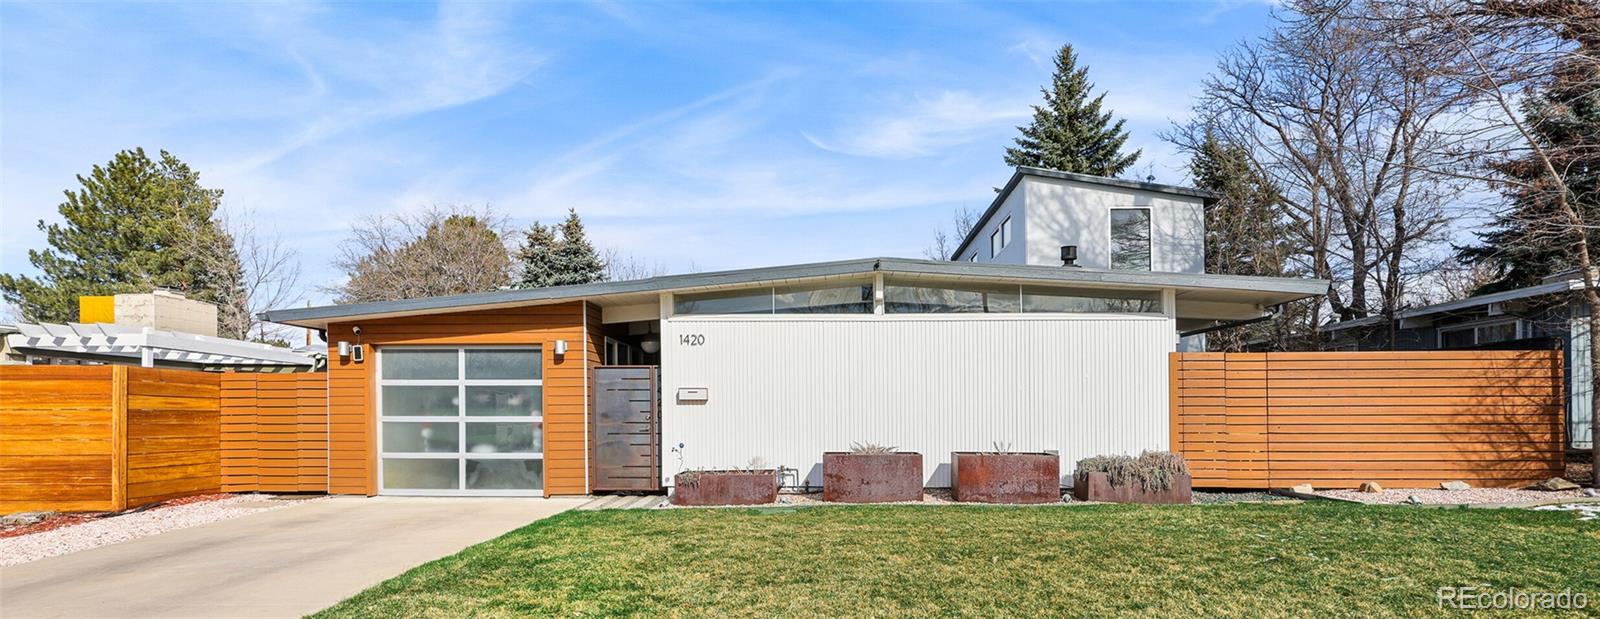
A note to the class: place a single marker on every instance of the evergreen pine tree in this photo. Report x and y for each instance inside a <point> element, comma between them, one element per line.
<point>134,225</point>
<point>1522,245</point>
<point>551,261</point>
<point>538,257</point>
<point>578,260</point>
<point>1245,233</point>
<point>1069,132</point>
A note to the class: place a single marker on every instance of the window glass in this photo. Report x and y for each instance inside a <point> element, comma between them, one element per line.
<point>491,364</point>
<point>403,364</point>
<point>748,301</point>
<point>516,437</point>
<point>1459,338</point>
<point>827,299</point>
<point>1130,239</point>
<point>994,243</point>
<point>504,400</point>
<point>420,474</point>
<point>937,298</point>
<point>421,437</point>
<point>1005,233</point>
<point>1503,332</point>
<point>1080,300</point>
<point>411,400</point>
<point>505,474</point>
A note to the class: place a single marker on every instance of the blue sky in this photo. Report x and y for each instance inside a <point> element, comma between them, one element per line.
<point>694,137</point>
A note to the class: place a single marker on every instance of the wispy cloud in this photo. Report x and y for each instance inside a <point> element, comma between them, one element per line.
<point>924,125</point>
<point>466,55</point>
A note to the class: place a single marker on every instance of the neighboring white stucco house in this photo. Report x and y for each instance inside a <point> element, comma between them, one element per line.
<point>1114,224</point>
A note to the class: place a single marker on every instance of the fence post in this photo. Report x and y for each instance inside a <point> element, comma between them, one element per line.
<point>119,438</point>
<point>1174,416</point>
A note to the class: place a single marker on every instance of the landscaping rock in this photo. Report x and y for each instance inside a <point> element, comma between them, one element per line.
<point>1370,487</point>
<point>1304,489</point>
<point>1591,492</point>
<point>1455,485</point>
<point>22,519</point>
<point>1554,484</point>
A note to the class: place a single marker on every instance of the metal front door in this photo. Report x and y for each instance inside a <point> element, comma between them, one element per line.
<point>626,429</point>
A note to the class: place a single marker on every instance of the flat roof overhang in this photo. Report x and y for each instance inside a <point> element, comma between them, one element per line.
<point>1207,294</point>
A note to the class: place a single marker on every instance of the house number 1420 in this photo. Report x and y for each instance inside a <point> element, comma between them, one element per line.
<point>692,339</point>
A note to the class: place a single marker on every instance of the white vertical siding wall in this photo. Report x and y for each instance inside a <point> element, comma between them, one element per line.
<point>786,389</point>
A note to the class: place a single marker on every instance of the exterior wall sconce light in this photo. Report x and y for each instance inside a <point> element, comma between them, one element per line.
<point>561,347</point>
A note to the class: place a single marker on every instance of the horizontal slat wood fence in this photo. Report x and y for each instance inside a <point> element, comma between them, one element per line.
<point>275,432</point>
<point>1401,419</point>
<point>105,438</point>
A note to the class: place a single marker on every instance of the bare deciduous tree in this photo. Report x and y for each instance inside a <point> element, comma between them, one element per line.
<point>1507,54</point>
<point>434,252</point>
<point>946,241</point>
<point>624,267</point>
<point>271,276</point>
<point>1346,133</point>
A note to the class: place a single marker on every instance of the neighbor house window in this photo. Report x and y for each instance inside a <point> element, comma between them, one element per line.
<point>1000,238</point>
<point>1479,335</point>
<point>918,297</point>
<point>461,420</point>
<point>1130,239</point>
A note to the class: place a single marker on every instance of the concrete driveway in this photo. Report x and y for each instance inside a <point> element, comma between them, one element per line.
<point>282,563</point>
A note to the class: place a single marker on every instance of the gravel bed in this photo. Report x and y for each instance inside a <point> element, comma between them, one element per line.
<point>1213,498</point>
<point>1585,511</point>
<point>115,529</point>
<point>1474,496</point>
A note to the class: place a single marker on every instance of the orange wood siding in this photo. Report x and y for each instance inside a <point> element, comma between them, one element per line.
<point>352,386</point>
<point>274,432</point>
<point>57,438</point>
<point>174,434</point>
<point>1402,419</point>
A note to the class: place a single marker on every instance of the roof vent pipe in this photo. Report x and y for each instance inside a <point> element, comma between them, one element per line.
<point>1069,255</point>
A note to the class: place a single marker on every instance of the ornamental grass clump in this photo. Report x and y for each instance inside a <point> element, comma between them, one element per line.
<point>872,449</point>
<point>1155,471</point>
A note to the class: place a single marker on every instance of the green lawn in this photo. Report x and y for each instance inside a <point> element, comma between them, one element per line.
<point>1223,560</point>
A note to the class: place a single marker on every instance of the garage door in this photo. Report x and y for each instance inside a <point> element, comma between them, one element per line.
<point>461,421</point>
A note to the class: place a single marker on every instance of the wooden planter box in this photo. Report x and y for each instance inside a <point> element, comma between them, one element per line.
<point>725,488</point>
<point>871,478</point>
<point>1097,487</point>
<point>1005,478</point>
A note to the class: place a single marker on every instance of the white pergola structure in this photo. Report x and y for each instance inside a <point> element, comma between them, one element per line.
<point>109,343</point>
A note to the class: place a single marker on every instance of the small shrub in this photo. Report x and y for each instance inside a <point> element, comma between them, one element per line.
<point>1000,447</point>
<point>872,449</point>
<point>1155,471</point>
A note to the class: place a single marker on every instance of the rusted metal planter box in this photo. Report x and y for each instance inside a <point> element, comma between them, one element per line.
<point>1005,478</point>
<point>871,478</point>
<point>1097,487</point>
<point>725,488</point>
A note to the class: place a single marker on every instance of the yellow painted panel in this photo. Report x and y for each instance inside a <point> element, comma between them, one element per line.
<point>97,309</point>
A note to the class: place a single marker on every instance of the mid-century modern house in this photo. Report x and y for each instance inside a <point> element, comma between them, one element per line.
<point>1548,315</point>
<point>553,391</point>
